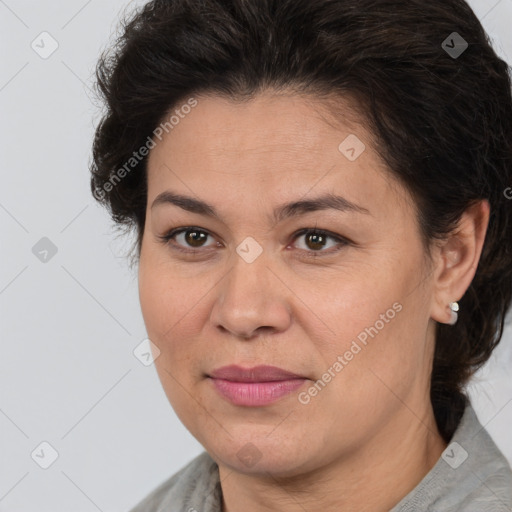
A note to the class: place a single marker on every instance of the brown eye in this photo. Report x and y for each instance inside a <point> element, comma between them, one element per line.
<point>195,238</point>
<point>192,240</point>
<point>316,240</point>
<point>186,239</point>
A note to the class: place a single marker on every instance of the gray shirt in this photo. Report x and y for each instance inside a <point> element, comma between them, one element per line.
<point>471,475</point>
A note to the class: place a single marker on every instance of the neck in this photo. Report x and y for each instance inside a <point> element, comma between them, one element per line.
<point>373,478</point>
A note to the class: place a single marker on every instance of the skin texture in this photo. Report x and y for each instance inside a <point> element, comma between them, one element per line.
<point>369,436</point>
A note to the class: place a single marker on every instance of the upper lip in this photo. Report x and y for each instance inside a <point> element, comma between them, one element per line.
<point>261,373</point>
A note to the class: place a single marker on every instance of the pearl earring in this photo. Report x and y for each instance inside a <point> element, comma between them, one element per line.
<point>454,307</point>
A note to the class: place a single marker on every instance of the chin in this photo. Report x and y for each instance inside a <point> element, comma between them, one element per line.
<point>263,454</point>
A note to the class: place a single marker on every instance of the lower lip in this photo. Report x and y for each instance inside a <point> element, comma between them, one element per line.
<point>254,394</point>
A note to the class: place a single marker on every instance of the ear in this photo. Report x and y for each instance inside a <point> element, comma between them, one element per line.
<point>457,259</point>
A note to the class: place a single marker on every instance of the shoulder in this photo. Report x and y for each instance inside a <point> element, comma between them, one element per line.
<point>472,475</point>
<point>486,480</point>
<point>195,485</point>
<point>488,485</point>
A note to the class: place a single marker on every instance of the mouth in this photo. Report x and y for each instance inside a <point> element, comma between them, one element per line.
<point>254,387</point>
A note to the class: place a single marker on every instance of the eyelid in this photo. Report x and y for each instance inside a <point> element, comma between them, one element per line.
<point>168,236</point>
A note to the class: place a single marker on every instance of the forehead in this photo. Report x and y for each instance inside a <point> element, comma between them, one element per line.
<point>274,145</point>
<point>269,123</point>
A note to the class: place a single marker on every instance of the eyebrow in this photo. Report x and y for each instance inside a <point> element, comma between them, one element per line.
<point>282,212</point>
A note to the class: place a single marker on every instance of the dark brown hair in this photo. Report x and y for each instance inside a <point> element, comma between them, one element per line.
<point>443,122</point>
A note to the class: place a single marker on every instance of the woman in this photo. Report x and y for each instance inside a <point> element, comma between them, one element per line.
<point>324,245</point>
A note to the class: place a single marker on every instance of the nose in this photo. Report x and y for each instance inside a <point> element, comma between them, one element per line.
<point>251,298</point>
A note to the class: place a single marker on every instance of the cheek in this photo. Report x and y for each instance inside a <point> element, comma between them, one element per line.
<point>168,316</point>
<point>373,321</point>
<point>171,307</point>
<point>164,296</point>
<point>354,301</point>
<point>155,304</point>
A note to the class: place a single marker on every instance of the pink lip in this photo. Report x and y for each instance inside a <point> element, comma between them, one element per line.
<point>258,386</point>
<point>257,374</point>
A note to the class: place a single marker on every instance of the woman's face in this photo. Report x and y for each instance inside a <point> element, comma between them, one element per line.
<point>349,317</point>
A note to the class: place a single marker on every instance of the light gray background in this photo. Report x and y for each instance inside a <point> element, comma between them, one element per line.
<point>68,375</point>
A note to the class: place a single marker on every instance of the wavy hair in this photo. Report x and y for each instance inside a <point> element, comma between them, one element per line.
<point>442,122</point>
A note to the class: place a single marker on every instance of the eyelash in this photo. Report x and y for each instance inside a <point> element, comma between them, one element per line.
<point>170,235</point>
